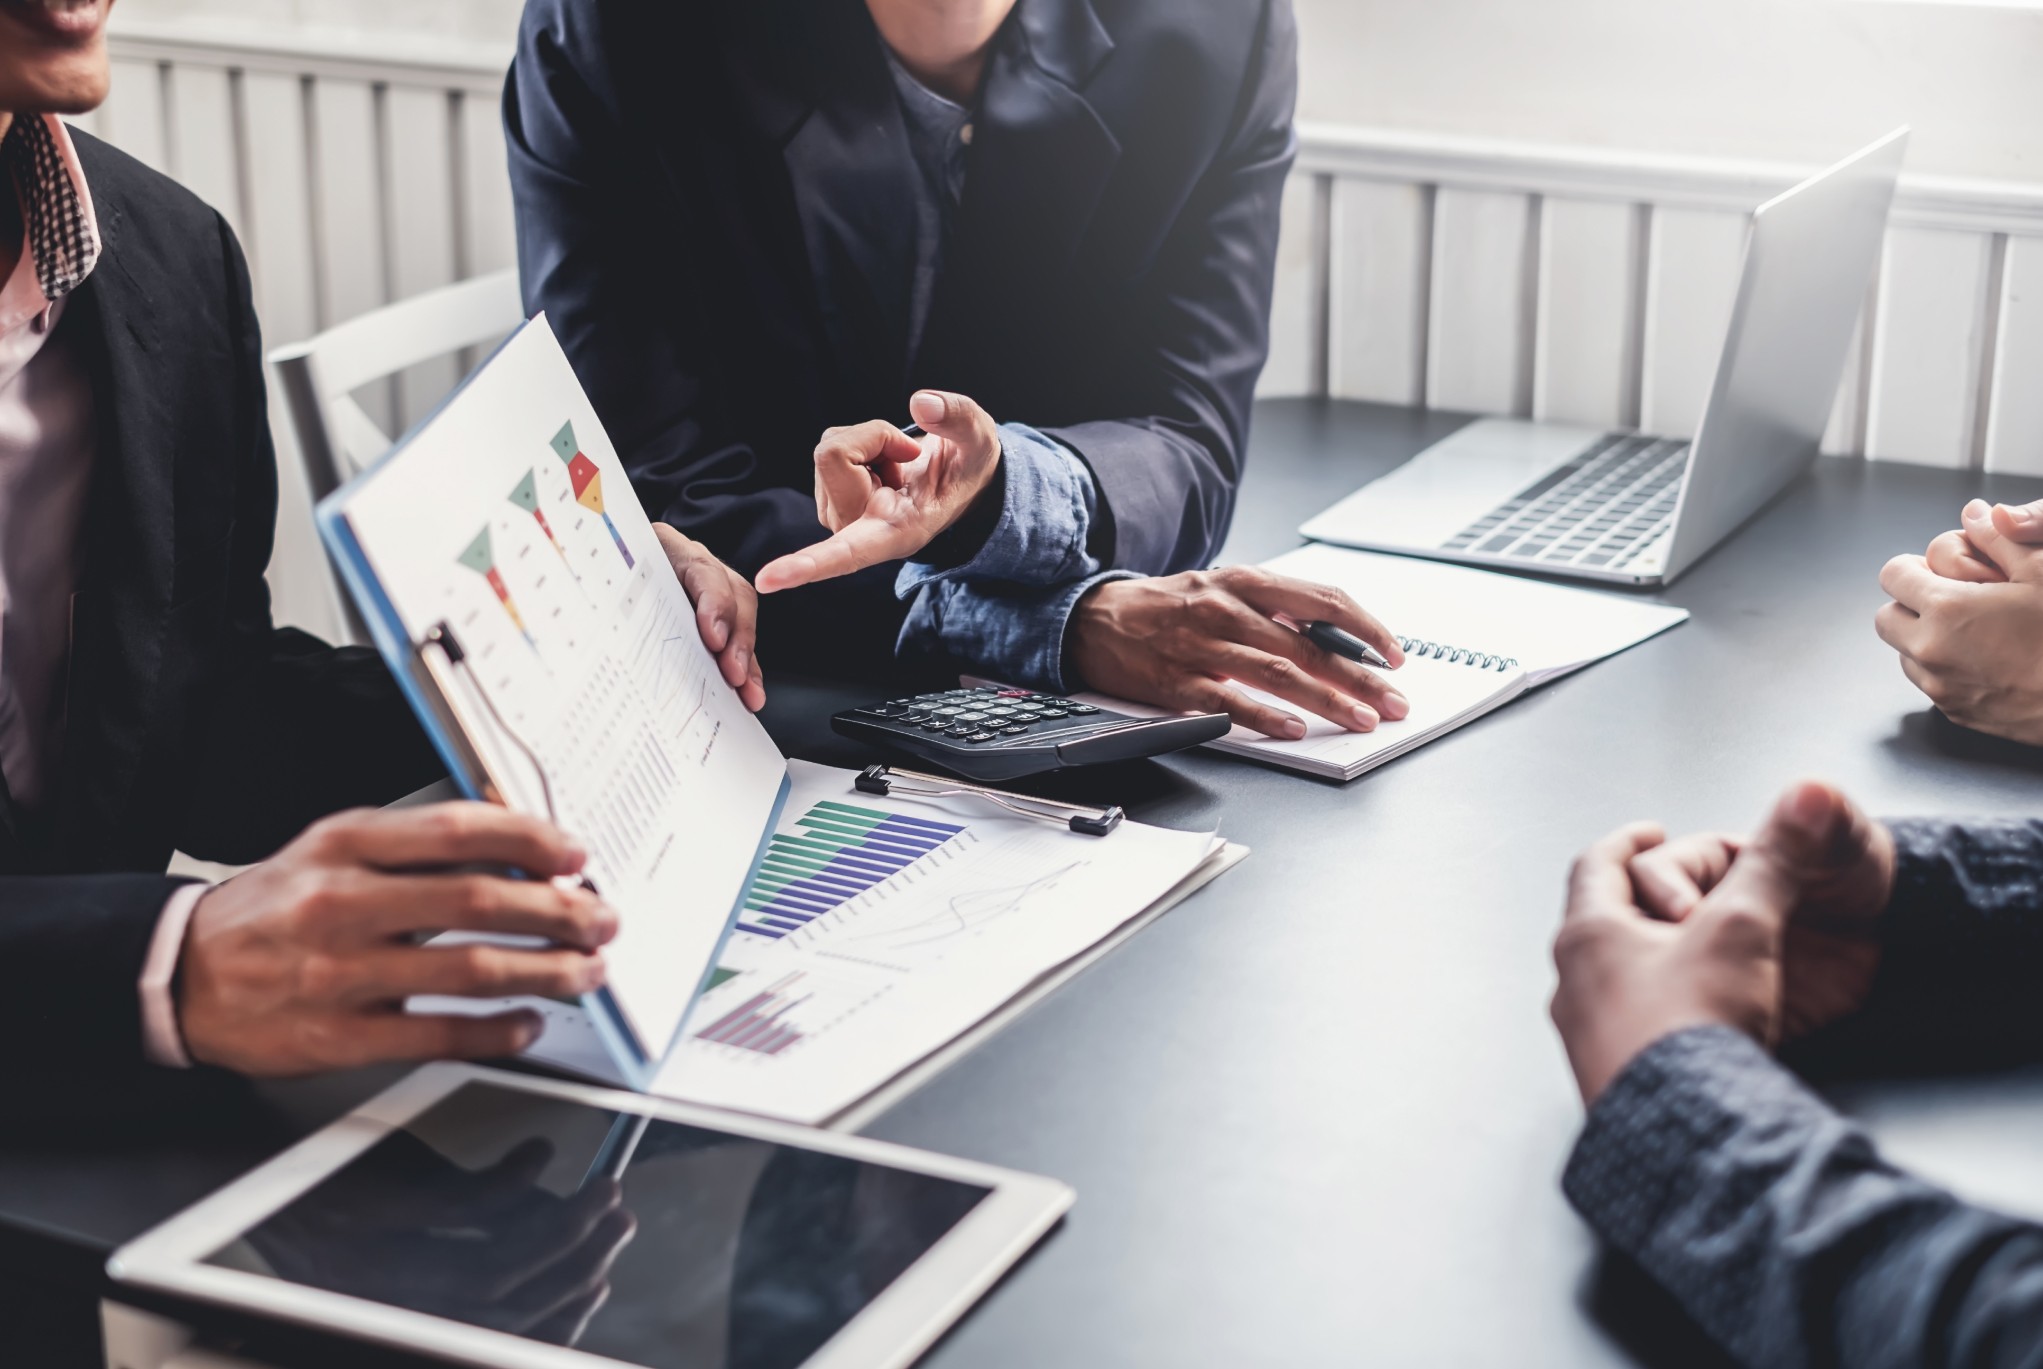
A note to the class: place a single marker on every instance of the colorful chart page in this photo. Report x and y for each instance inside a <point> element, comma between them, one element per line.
<point>509,517</point>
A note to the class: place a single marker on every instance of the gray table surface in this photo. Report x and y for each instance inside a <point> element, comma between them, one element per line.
<point>1316,1115</point>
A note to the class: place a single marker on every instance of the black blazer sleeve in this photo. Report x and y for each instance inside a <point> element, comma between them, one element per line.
<point>71,953</point>
<point>1169,465</point>
<point>291,729</point>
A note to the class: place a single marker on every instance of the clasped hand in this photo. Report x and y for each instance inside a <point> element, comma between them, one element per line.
<point>1967,619</point>
<point>1773,936</point>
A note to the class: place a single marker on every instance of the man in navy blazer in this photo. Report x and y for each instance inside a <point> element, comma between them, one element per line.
<point>767,230</point>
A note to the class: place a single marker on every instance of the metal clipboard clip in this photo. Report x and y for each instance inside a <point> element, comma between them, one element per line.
<point>886,780</point>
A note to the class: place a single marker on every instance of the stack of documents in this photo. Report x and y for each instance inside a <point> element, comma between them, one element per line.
<point>1473,640</point>
<point>883,937</point>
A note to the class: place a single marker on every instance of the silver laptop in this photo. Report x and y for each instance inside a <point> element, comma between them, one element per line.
<point>1635,509</point>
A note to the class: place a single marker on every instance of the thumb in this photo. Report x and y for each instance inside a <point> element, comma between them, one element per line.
<point>939,411</point>
<point>1983,531</point>
<point>2020,522</point>
<point>1808,835</point>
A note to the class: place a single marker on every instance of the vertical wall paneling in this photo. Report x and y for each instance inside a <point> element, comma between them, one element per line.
<point>204,146</point>
<point>419,161</point>
<point>1297,363</point>
<point>1586,344</point>
<point>1479,334</point>
<point>1380,235</point>
<point>1693,256</point>
<point>348,218</point>
<point>1928,347</point>
<point>488,236</point>
<point>132,117</point>
<point>2014,429</point>
<point>280,242</point>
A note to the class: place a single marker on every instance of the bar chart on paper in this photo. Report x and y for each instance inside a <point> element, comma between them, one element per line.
<point>837,852</point>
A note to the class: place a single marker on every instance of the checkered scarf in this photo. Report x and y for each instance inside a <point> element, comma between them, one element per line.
<point>60,232</point>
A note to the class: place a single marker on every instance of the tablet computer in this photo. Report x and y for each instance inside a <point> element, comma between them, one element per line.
<point>484,1218</point>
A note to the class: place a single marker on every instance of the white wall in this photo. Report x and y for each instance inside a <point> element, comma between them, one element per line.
<point>1775,80</point>
<point>478,20</point>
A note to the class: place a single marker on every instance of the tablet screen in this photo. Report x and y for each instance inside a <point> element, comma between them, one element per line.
<point>643,1240</point>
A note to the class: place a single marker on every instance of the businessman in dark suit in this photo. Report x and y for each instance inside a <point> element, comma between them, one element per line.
<point>148,704</point>
<point>768,230</point>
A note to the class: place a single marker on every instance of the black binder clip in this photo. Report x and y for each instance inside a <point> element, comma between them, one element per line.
<point>885,780</point>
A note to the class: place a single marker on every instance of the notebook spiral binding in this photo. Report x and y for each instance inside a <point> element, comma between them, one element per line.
<point>1455,655</point>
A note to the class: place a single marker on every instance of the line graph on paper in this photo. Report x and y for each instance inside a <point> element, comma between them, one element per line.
<point>681,684</point>
<point>959,915</point>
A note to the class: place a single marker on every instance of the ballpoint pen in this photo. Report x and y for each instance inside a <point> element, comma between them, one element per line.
<point>1342,643</point>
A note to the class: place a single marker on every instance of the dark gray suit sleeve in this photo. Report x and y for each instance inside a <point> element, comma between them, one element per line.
<point>1781,1230</point>
<point>1771,1218</point>
<point>1962,954</point>
<point>71,953</point>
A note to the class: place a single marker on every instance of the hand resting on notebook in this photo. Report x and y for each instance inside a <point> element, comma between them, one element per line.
<point>1968,620</point>
<point>1174,641</point>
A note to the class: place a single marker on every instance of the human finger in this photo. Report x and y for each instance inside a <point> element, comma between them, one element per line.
<point>846,459</point>
<point>1599,883</point>
<point>2013,558</point>
<point>864,542</point>
<point>1305,601</point>
<point>1211,696</point>
<point>2020,522</point>
<point>1790,848</point>
<point>458,833</point>
<point>474,969</point>
<point>955,419</point>
<point>1910,582</point>
<point>395,905</point>
<point>1291,682</point>
<point>725,611</point>
<point>1383,699</point>
<point>1952,556</point>
<point>753,692</point>
<point>400,1037</point>
<point>1670,879</point>
<point>1899,627</point>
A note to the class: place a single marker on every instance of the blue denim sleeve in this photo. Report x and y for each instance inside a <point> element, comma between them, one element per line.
<point>1045,519</point>
<point>1003,612</point>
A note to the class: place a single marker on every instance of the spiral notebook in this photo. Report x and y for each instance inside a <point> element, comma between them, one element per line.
<point>1473,641</point>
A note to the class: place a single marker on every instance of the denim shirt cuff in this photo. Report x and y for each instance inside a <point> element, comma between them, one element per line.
<point>1003,632</point>
<point>1045,520</point>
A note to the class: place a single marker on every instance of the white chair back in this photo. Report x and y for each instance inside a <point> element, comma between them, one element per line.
<point>336,436</point>
<point>319,378</point>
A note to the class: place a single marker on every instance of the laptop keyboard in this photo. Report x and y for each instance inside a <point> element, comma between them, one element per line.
<point>1604,508</point>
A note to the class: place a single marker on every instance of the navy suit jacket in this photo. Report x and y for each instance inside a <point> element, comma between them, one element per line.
<point>716,213</point>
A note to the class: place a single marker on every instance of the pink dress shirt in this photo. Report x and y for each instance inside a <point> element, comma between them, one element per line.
<point>47,446</point>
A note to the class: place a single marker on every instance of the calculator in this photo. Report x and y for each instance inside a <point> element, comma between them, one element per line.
<point>990,733</point>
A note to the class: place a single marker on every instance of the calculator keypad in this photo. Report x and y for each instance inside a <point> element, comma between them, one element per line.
<point>978,716</point>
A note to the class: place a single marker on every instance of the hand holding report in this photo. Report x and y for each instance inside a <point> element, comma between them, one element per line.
<point>565,668</point>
